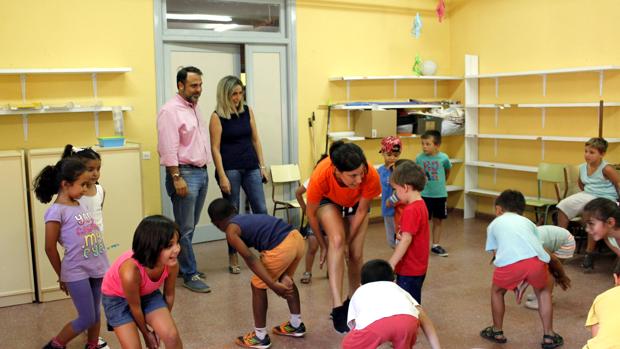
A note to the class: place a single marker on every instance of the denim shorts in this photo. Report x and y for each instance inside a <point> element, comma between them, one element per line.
<point>117,309</point>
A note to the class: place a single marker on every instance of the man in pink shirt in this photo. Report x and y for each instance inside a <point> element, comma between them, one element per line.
<point>185,150</point>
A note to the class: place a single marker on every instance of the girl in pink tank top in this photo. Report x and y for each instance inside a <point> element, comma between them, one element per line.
<point>131,287</point>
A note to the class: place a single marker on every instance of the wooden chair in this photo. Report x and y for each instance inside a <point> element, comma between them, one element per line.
<point>282,175</point>
<point>553,173</point>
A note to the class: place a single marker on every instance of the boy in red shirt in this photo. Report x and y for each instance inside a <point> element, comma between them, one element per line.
<point>410,257</point>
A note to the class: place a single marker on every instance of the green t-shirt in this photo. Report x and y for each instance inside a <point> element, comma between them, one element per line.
<point>435,169</point>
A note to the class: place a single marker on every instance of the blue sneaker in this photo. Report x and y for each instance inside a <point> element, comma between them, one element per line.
<point>196,284</point>
<point>251,340</point>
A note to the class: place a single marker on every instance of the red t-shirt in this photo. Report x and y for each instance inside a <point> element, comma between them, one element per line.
<point>323,184</point>
<point>414,221</point>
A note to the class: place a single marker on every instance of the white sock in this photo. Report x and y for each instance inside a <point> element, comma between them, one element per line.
<point>435,245</point>
<point>295,320</point>
<point>260,332</point>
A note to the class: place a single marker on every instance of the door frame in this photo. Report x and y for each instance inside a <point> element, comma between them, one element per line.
<point>288,43</point>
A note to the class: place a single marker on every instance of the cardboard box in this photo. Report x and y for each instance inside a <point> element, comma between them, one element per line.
<point>375,123</point>
<point>428,123</point>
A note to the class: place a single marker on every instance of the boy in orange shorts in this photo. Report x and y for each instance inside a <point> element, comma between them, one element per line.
<point>281,248</point>
<point>518,257</point>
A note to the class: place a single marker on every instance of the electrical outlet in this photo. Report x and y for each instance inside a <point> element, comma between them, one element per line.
<point>146,155</point>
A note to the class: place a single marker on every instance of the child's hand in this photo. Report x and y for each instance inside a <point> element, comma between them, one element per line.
<point>282,290</point>
<point>63,287</point>
<point>398,235</point>
<point>151,340</point>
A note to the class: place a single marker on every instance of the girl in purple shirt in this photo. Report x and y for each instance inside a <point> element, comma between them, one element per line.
<point>81,270</point>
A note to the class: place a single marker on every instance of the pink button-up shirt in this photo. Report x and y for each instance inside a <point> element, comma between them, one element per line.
<point>183,137</point>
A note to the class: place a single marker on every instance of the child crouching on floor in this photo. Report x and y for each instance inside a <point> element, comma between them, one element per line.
<point>380,311</point>
<point>519,256</point>
<point>281,248</point>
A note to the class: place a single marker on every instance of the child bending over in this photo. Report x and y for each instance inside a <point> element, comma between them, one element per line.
<point>519,256</point>
<point>281,248</point>
<point>381,312</point>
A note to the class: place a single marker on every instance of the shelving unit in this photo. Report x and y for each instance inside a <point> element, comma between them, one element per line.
<point>95,109</point>
<point>348,106</point>
<point>472,135</point>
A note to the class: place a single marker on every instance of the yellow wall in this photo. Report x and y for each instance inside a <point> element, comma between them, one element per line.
<point>73,34</point>
<point>533,35</point>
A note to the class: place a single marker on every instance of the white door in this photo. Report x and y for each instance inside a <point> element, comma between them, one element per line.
<point>215,61</point>
<point>267,94</point>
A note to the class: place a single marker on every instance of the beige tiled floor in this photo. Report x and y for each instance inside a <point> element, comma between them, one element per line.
<point>455,294</point>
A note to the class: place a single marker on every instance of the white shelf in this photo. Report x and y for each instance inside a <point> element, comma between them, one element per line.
<point>568,105</point>
<point>494,193</point>
<point>506,136</point>
<point>64,71</point>
<point>62,111</point>
<point>503,166</point>
<point>370,106</point>
<point>456,161</point>
<point>453,188</point>
<point>394,77</point>
<point>545,72</point>
<point>492,106</point>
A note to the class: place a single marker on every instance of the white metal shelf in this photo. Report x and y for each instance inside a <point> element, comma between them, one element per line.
<point>491,106</point>
<point>538,138</point>
<point>64,71</point>
<point>394,77</point>
<point>453,188</point>
<point>545,72</point>
<point>370,106</point>
<point>63,110</point>
<point>568,105</point>
<point>502,166</point>
<point>494,193</point>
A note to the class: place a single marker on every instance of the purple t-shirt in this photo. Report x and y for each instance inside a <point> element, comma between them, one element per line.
<point>85,253</point>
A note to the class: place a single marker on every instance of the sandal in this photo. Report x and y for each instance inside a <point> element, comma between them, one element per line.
<point>234,269</point>
<point>491,334</point>
<point>306,278</point>
<point>556,341</point>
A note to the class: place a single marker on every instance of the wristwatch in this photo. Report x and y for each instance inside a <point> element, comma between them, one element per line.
<point>176,176</point>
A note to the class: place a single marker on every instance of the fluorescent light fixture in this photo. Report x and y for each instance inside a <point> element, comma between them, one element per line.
<point>225,27</point>
<point>198,17</point>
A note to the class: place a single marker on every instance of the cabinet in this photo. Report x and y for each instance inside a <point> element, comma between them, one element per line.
<point>122,209</point>
<point>95,107</point>
<point>17,286</point>
<point>527,126</point>
<point>390,92</point>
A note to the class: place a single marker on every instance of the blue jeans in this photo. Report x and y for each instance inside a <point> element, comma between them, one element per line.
<point>412,284</point>
<point>187,212</point>
<point>252,183</point>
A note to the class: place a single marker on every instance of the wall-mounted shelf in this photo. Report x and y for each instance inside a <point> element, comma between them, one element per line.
<point>64,71</point>
<point>568,105</point>
<point>394,77</point>
<point>538,138</point>
<point>502,166</point>
<point>62,111</point>
<point>23,72</point>
<point>594,69</point>
<point>369,106</point>
<point>494,193</point>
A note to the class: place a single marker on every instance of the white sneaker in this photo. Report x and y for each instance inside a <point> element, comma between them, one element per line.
<point>532,304</point>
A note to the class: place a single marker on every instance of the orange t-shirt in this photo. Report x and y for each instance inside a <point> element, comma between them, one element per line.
<point>323,184</point>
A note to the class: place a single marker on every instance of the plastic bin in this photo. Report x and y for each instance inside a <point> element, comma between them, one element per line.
<point>106,142</point>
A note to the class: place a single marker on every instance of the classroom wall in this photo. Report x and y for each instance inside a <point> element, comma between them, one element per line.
<point>340,37</point>
<point>533,35</point>
<point>73,34</point>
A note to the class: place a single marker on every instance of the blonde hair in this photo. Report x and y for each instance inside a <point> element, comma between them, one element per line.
<point>225,108</point>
